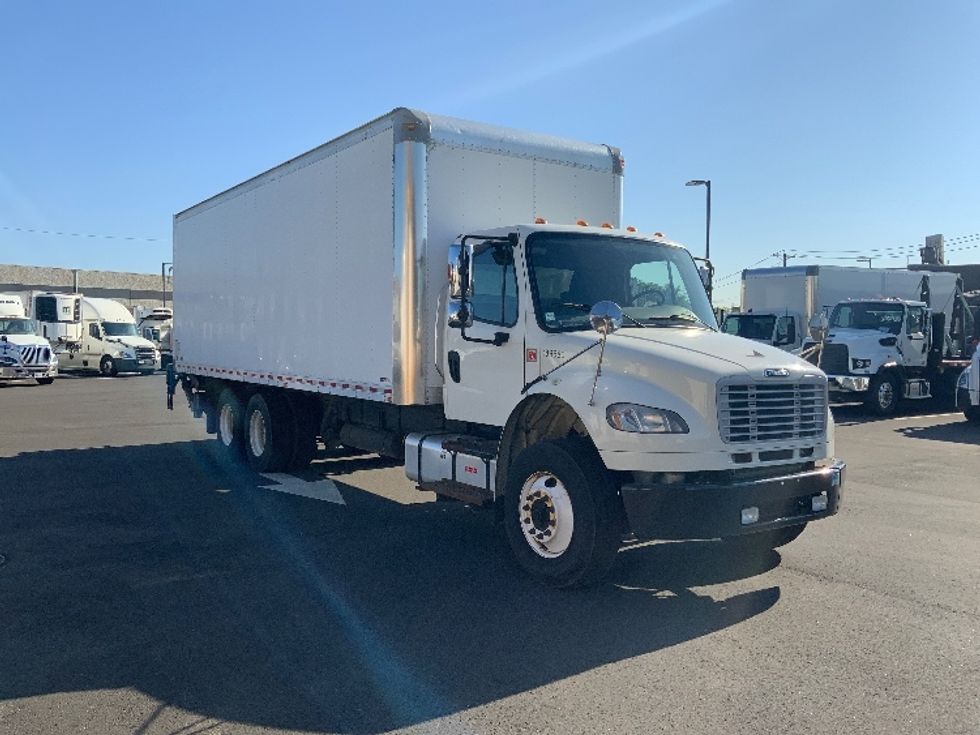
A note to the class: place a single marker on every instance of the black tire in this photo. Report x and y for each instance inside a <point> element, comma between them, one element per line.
<point>269,430</point>
<point>884,394</point>
<point>45,381</point>
<point>306,426</point>
<point>231,429</point>
<point>596,513</point>
<point>766,540</point>
<point>107,367</point>
<point>972,414</point>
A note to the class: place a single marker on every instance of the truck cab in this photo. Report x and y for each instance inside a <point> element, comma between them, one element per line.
<point>968,389</point>
<point>95,335</point>
<point>778,330</point>
<point>155,324</point>
<point>24,354</point>
<point>880,351</point>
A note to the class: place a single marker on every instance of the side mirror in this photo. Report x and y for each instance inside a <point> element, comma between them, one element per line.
<point>460,277</point>
<point>458,315</point>
<point>606,317</point>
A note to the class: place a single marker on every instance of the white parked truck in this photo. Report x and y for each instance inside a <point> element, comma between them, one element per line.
<point>155,324</point>
<point>968,389</point>
<point>92,334</point>
<point>571,377</point>
<point>884,350</point>
<point>780,305</point>
<point>24,354</point>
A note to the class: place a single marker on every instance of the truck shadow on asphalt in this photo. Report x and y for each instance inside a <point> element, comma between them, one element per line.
<point>853,414</point>
<point>960,432</point>
<point>125,567</point>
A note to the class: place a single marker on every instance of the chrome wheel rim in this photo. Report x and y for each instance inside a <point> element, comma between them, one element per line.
<point>546,515</point>
<point>886,394</point>
<point>257,433</point>
<point>226,425</point>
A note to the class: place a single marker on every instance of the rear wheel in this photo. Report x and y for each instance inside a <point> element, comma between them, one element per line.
<point>230,428</point>
<point>562,514</point>
<point>269,432</point>
<point>883,395</point>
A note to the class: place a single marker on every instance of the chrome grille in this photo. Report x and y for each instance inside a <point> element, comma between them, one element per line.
<point>772,411</point>
<point>833,359</point>
<point>145,353</point>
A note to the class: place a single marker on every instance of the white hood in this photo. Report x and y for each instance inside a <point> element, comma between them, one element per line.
<point>131,342</point>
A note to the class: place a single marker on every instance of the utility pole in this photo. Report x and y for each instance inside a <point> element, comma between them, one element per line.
<point>784,255</point>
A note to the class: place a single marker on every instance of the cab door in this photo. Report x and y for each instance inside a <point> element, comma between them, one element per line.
<point>484,361</point>
<point>917,328</point>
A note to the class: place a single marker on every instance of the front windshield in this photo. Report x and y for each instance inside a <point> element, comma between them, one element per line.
<point>881,317</point>
<point>119,329</point>
<point>18,325</point>
<point>750,326</point>
<point>655,284</point>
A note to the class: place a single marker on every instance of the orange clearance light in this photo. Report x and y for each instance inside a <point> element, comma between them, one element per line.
<point>540,221</point>
<point>658,234</point>
<point>631,229</point>
<point>607,225</point>
<point>581,223</point>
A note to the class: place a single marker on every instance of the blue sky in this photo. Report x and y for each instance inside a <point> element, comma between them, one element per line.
<point>822,125</point>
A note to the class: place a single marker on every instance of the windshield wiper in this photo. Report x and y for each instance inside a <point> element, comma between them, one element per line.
<point>680,318</point>
<point>588,307</point>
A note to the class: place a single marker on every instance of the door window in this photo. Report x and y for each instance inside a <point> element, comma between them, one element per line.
<point>494,299</point>
<point>785,330</point>
<point>93,330</point>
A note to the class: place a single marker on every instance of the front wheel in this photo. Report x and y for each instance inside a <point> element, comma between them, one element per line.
<point>562,514</point>
<point>45,381</point>
<point>883,395</point>
<point>972,414</point>
<point>107,367</point>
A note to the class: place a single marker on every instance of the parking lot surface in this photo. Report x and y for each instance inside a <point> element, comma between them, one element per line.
<point>148,586</point>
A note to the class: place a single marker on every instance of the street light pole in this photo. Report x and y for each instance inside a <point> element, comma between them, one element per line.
<point>706,183</point>
<point>163,279</point>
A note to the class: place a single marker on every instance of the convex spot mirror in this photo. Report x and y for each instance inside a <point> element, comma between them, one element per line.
<point>606,317</point>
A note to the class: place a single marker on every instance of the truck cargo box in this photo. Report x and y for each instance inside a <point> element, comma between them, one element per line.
<point>325,273</point>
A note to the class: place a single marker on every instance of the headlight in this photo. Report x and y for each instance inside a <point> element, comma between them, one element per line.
<point>964,380</point>
<point>644,419</point>
<point>860,364</point>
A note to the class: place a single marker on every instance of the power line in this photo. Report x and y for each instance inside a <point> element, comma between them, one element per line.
<point>81,234</point>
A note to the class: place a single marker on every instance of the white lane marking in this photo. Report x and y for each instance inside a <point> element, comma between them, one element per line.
<point>324,489</point>
<point>927,416</point>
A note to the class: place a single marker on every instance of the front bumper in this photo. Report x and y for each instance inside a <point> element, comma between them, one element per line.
<point>43,371</point>
<point>693,511</point>
<point>848,383</point>
<point>14,373</point>
<point>135,365</point>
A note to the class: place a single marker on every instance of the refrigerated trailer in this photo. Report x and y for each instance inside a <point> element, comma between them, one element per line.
<point>466,298</point>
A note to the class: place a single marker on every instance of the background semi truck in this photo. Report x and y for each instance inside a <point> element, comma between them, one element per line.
<point>24,354</point>
<point>570,377</point>
<point>92,334</point>
<point>155,324</point>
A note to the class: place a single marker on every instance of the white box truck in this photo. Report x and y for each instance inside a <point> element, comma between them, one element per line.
<point>569,376</point>
<point>24,354</point>
<point>94,335</point>
<point>156,324</point>
<point>779,305</point>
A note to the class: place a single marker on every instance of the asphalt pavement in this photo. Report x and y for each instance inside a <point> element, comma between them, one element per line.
<point>149,586</point>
